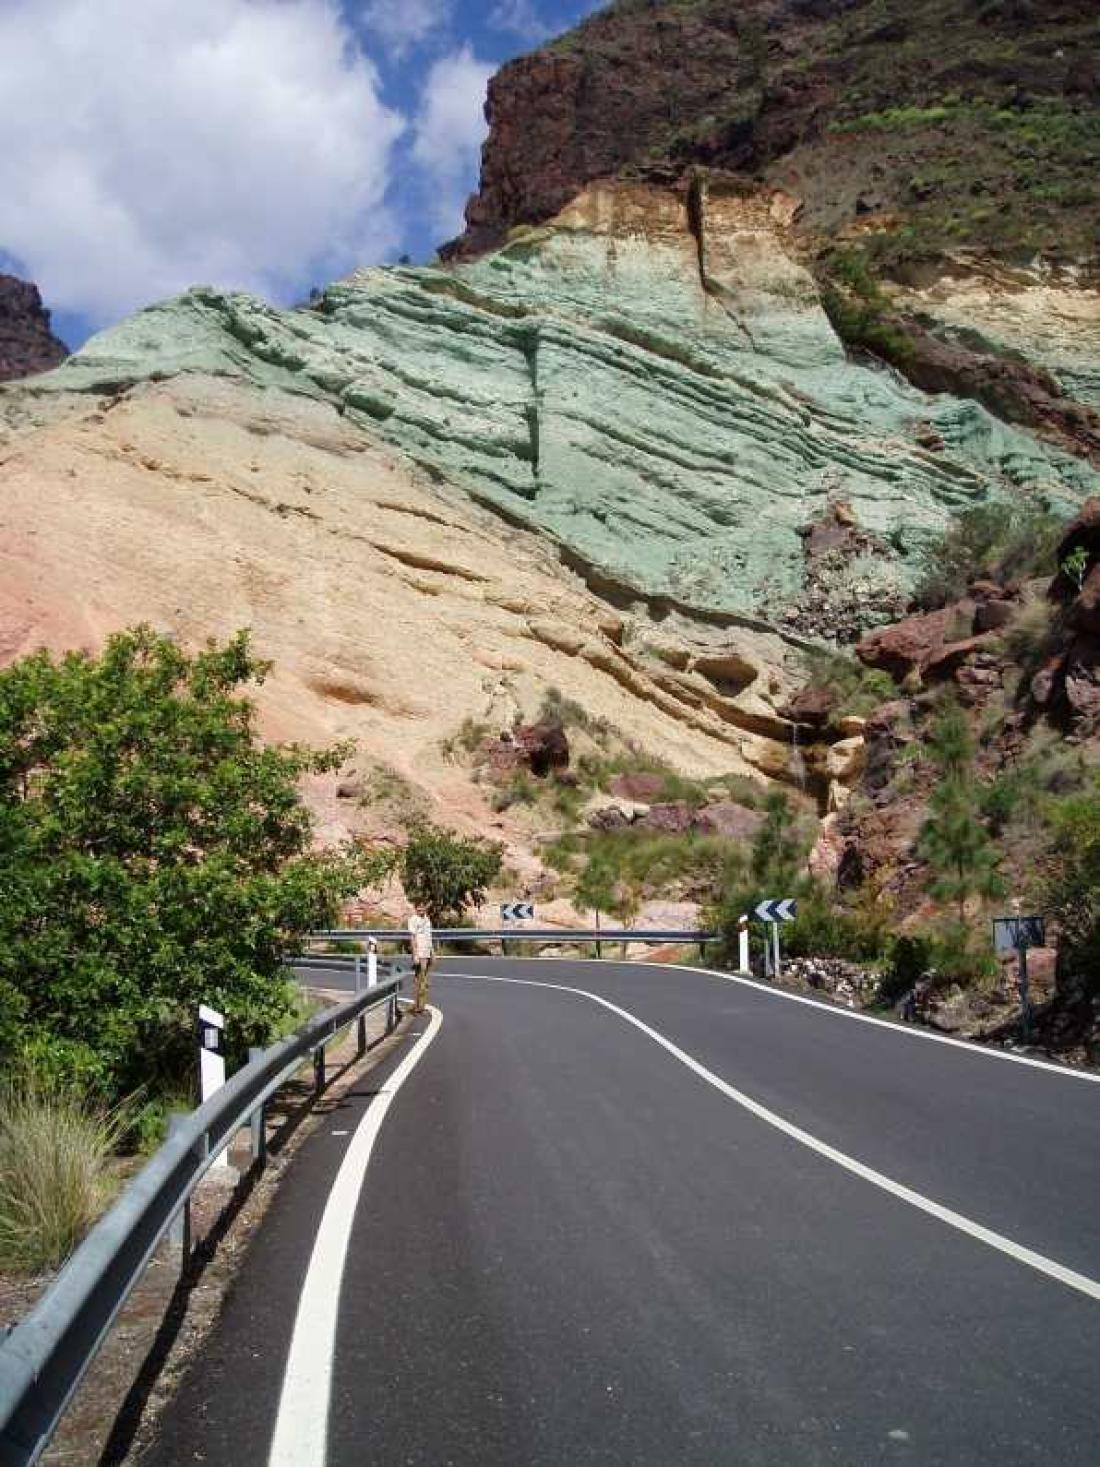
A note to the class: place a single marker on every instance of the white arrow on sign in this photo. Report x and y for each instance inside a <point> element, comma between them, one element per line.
<point>784,910</point>
<point>516,911</point>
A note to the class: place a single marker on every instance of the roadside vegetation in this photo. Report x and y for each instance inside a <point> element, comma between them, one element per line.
<point>56,1171</point>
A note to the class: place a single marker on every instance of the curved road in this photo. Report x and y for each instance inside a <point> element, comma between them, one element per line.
<point>627,1214</point>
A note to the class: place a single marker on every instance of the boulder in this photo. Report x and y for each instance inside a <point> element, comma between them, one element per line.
<point>907,646</point>
<point>608,817</point>
<point>1082,679</point>
<point>640,786</point>
<point>1083,532</point>
<point>991,616</point>
<point>544,746</point>
<point>676,818</point>
<point>810,706</point>
<point>728,819</point>
<point>1085,613</point>
<point>846,759</point>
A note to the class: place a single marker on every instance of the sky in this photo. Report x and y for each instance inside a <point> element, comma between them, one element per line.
<point>260,145</point>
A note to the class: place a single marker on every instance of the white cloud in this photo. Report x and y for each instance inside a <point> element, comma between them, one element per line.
<point>153,144</point>
<point>521,18</point>
<point>450,128</point>
<point>402,24</point>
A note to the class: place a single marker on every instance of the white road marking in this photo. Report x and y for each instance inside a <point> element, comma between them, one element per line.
<point>301,1428</point>
<point>903,1031</point>
<point>1037,1261</point>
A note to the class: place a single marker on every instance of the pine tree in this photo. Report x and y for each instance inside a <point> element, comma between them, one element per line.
<point>953,839</point>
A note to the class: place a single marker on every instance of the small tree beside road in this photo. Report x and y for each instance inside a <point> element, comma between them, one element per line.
<point>155,855</point>
<point>447,873</point>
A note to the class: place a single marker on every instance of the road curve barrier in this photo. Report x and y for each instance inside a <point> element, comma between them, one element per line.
<point>45,1357</point>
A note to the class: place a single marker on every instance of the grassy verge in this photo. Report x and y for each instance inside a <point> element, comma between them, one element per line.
<point>55,1172</point>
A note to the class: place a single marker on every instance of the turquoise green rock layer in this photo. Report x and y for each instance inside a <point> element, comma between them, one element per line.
<point>672,417</point>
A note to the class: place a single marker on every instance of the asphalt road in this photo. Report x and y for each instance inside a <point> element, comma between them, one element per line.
<point>579,1241</point>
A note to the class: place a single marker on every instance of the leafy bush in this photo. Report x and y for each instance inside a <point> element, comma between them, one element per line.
<point>1071,890</point>
<point>54,1180</point>
<point>446,872</point>
<point>858,690</point>
<point>960,953</point>
<point>953,839</point>
<point>155,856</point>
<point>910,959</point>
<point>826,929</point>
<point>998,542</point>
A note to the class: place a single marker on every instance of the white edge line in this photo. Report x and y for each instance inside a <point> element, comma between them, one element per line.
<point>300,1438</point>
<point>1037,1261</point>
<point>903,1031</point>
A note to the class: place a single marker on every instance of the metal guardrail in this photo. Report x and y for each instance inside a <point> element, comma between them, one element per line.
<point>44,1359</point>
<point>563,935</point>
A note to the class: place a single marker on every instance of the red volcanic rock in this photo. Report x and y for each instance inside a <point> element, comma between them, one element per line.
<point>643,787</point>
<point>540,747</point>
<point>676,818</point>
<point>1083,532</point>
<point>991,616</point>
<point>27,345</point>
<point>728,819</point>
<point>810,706</point>
<point>908,645</point>
<point>1086,607</point>
<point>544,746</point>
<point>1082,679</point>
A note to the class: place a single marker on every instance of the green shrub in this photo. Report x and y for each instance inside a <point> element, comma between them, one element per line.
<point>857,690</point>
<point>826,929</point>
<point>446,872</point>
<point>1000,542</point>
<point>960,953</point>
<point>521,789</point>
<point>54,1180</point>
<point>910,959</point>
<point>1071,890</point>
<point>155,855</point>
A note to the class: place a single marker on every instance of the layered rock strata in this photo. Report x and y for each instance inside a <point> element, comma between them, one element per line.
<point>392,607</point>
<point>650,382</point>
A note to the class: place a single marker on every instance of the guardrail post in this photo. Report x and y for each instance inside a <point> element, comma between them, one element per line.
<point>361,1035</point>
<point>319,1070</point>
<point>358,972</point>
<point>179,1230</point>
<point>257,1121</point>
<point>391,1013</point>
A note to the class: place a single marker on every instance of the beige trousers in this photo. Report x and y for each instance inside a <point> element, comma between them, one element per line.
<point>423,969</point>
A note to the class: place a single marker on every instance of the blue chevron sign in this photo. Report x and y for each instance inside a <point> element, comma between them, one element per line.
<point>516,911</point>
<point>776,911</point>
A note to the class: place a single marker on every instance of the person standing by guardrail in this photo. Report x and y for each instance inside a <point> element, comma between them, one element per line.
<point>420,940</point>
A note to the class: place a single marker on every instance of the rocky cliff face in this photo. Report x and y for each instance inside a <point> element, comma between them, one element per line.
<point>963,119</point>
<point>911,141</point>
<point>652,383</point>
<point>665,436</point>
<point>27,345</point>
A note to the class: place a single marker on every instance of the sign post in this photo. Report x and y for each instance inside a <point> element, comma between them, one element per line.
<point>211,1060</point>
<point>1017,934</point>
<point>514,912</point>
<point>774,911</point>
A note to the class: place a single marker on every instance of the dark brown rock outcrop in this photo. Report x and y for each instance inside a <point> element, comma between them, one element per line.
<point>27,345</point>
<point>769,88</point>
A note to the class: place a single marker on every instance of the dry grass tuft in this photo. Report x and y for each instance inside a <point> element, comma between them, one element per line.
<point>54,1174</point>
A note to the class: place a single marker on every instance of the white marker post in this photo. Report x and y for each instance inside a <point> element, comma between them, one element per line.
<point>211,1060</point>
<point>372,962</point>
<point>743,944</point>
